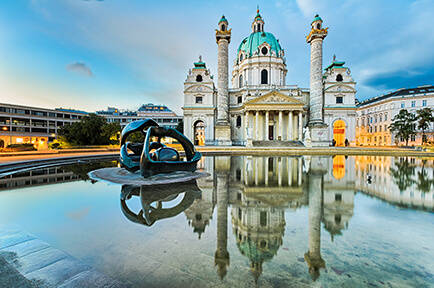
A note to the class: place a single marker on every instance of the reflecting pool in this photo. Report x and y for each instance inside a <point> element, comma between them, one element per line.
<point>311,221</point>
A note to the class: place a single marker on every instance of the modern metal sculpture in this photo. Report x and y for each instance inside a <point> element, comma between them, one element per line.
<point>153,157</point>
<point>158,195</point>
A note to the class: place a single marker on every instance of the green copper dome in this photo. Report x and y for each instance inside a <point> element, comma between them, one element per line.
<point>223,19</point>
<point>252,42</point>
<point>316,18</point>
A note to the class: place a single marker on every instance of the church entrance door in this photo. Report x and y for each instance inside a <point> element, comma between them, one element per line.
<point>199,133</point>
<point>339,133</point>
<point>270,132</point>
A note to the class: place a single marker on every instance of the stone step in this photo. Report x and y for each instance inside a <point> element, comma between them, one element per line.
<point>34,263</point>
<point>276,143</point>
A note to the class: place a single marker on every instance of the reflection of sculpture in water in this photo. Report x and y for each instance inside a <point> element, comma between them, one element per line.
<point>158,194</point>
<point>153,157</point>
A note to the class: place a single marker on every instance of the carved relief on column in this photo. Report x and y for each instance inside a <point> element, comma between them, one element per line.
<point>222,85</point>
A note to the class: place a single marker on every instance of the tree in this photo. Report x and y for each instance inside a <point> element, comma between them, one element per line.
<point>402,124</point>
<point>402,173</point>
<point>424,117</point>
<point>92,129</point>
<point>180,126</point>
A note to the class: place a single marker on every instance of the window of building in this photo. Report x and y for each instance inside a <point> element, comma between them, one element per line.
<point>198,99</point>
<point>385,116</point>
<point>357,122</point>
<point>241,81</point>
<point>424,102</point>
<point>363,121</point>
<point>413,137</point>
<point>199,78</point>
<point>264,76</point>
<point>223,27</point>
<point>339,77</point>
<point>238,121</point>
<point>239,99</point>
<point>375,139</point>
<point>375,128</point>
<point>241,57</point>
<point>264,50</point>
<point>339,99</point>
<point>375,118</point>
<point>381,117</point>
<point>379,128</point>
<point>413,103</point>
<point>385,127</point>
<point>338,197</point>
<point>402,104</point>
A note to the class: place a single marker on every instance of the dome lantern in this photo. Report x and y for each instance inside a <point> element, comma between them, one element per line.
<point>258,23</point>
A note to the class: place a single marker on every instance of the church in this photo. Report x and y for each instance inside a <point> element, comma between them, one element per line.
<point>260,108</point>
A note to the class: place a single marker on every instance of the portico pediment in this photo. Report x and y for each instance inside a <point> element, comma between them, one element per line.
<point>275,99</point>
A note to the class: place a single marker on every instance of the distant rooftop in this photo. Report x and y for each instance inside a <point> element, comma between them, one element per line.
<point>422,89</point>
<point>71,110</point>
<point>150,107</point>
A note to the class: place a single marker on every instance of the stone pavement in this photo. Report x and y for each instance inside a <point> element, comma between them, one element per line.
<point>28,262</point>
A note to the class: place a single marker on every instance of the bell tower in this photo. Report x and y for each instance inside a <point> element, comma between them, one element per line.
<point>316,120</point>
<point>223,126</point>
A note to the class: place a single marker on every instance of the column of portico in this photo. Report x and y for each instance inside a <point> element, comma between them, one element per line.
<point>266,171</point>
<point>246,124</point>
<point>300,176</point>
<point>300,125</point>
<point>290,118</point>
<point>257,125</point>
<point>289,171</point>
<point>267,113</point>
<point>280,126</point>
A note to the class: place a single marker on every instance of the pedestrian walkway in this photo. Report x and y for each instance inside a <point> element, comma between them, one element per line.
<point>26,261</point>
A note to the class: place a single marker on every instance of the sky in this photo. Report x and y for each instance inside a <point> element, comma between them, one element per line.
<point>92,54</point>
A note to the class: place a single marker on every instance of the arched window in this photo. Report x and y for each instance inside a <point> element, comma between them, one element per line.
<point>199,78</point>
<point>241,81</point>
<point>223,27</point>
<point>264,50</point>
<point>318,26</point>
<point>241,57</point>
<point>264,76</point>
<point>339,77</point>
<point>238,121</point>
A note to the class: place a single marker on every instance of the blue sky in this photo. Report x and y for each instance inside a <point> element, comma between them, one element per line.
<point>88,55</point>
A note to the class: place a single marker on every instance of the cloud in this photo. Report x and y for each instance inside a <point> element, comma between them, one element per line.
<point>80,68</point>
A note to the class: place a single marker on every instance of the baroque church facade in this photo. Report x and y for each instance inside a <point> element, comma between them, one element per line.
<point>260,109</point>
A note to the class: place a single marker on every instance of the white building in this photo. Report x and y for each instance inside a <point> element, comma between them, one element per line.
<point>260,109</point>
<point>374,116</point>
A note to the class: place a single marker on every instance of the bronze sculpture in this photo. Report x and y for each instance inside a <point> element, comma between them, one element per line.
<point>153,157</point>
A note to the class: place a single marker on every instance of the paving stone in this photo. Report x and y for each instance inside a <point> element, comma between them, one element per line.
<point>38,260</point>
<point>11,278</point>
<point>7,240</point>
<point>92,279</point>
<point>22,249</point>
<point>57,273</point>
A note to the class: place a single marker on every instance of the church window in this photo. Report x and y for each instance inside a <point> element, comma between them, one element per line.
<point>318,26</point>
<point>241,57</point>
<point>264,76</point>
<point>223,27</point>
<point>264,50</point>
<point>240,99</point>
<point>199,78</point>
<point>238,121</point>
<point>198,99</point>
<point>339,99</point>
<point>241,81</point>
<point>339,77</point>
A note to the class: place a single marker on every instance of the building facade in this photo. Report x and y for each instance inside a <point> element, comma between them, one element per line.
<point>260,108</point>
<point>39,126</point>
<point>374,116</point>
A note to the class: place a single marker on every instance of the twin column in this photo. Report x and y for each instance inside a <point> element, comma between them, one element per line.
<point>264,134</point>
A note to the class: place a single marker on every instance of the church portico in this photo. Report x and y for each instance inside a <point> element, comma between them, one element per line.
<point>260,109</point>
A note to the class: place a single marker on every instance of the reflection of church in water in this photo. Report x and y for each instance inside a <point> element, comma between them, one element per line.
<point>258,190</point>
